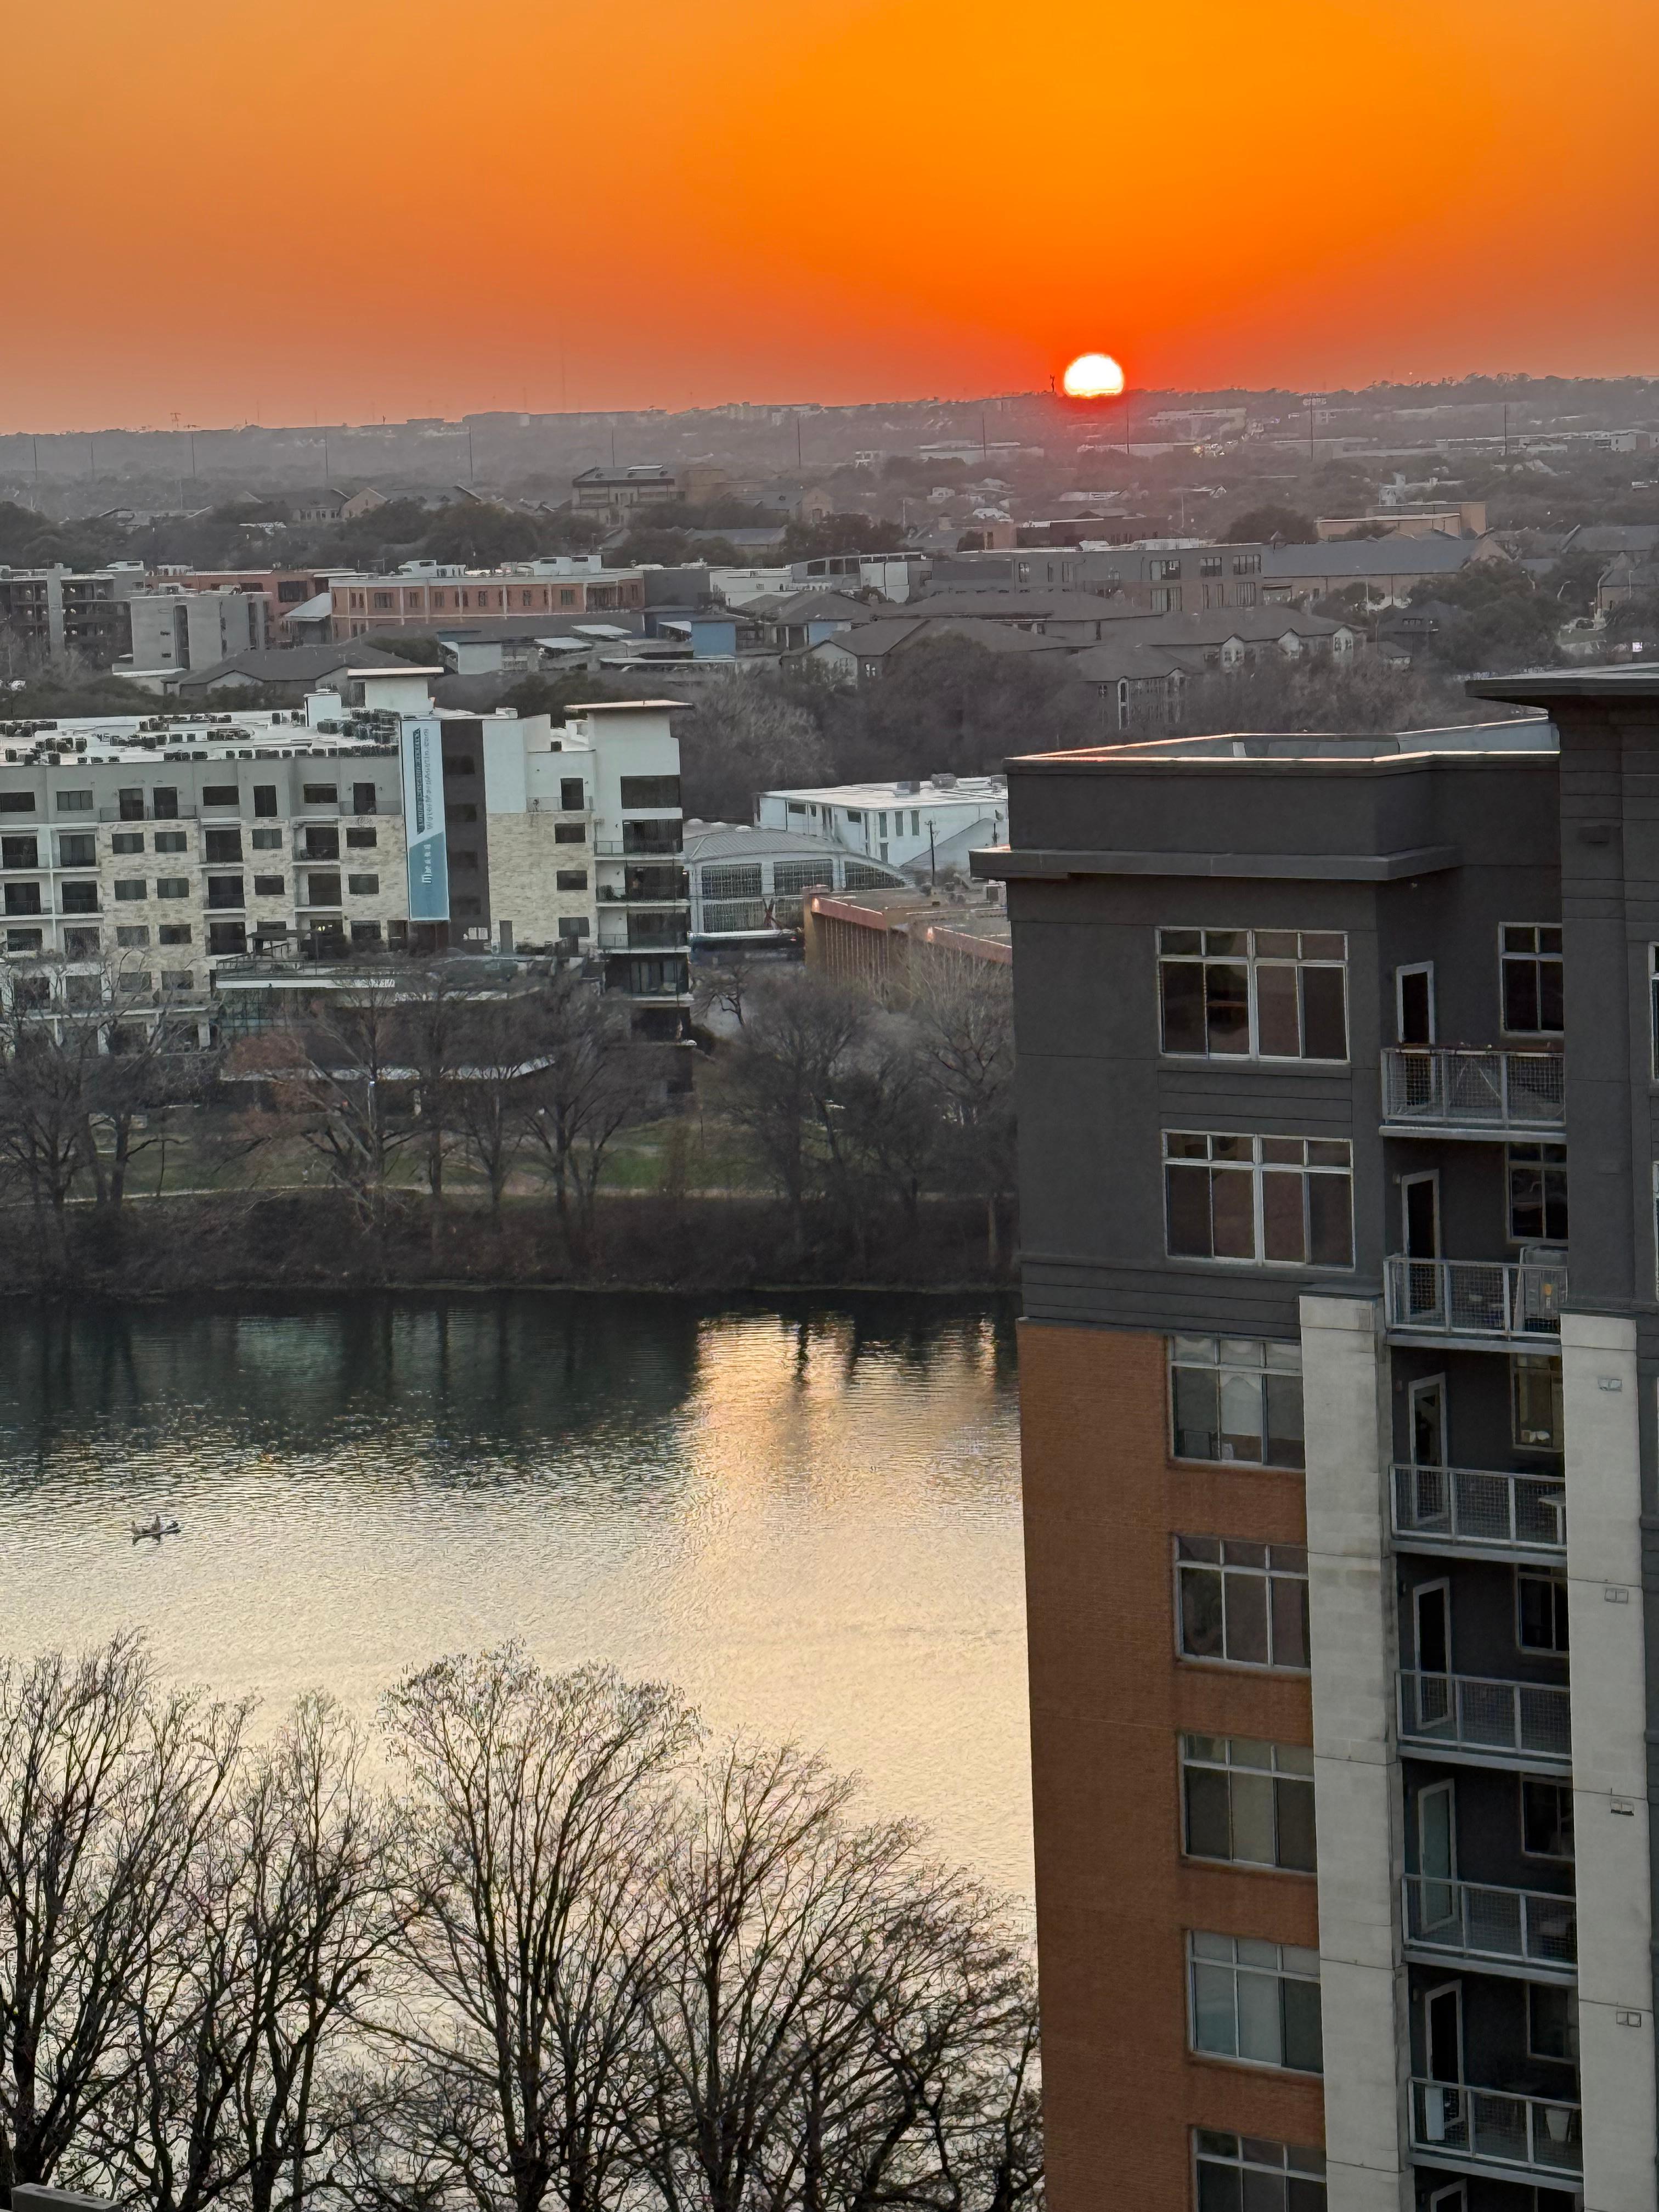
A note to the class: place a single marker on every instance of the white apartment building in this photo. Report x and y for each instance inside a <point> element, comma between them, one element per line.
<point>235,857</point>
<point>918,826</point>
<point>173,628</point>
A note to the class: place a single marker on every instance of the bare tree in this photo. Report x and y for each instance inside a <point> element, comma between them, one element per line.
<point>538,1810</point>
<point>339,1085</point>
<point>498,1041</point>
<point>962,1012</point>
<point>593,1078</point>
<point>778,1081</point>
<point>260,1979</point>
<point>108,1788</point>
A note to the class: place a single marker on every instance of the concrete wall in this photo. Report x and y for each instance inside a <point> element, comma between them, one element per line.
<point>1356,1791</point>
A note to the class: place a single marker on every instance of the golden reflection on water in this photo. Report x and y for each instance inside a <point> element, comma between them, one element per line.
<point>808,1518</point>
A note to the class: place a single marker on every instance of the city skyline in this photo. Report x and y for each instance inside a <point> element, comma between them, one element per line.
<point>883,205</point>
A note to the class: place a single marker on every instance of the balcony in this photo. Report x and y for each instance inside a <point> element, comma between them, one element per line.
<point>1479,1722</point>
<point>1477,2130</point>
<point>1484,1516</point>
<point>1525,1932</point>
<point>1451,1091</point>
<point>1497,1301</point>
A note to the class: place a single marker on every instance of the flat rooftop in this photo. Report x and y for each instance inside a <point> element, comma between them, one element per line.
<point>975,788</point>
<point>1529,733</point>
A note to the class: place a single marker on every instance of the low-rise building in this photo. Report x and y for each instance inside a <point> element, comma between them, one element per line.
<point>618,493</point>
<point>747,881</point>
<point>65,612</point>
<point>427,595</point>
<point>881,937</point>
<point>923,828</point>
<point>173,629</point>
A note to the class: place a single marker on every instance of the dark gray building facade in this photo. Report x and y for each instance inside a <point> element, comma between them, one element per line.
<point>1338,1096</point>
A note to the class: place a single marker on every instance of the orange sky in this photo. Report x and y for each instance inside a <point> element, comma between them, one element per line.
<point>396,207</point>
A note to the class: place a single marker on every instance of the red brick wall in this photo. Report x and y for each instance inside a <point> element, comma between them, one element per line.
<point>1102,1501</point>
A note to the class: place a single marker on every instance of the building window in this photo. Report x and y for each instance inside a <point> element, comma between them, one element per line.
<point>1236,1398</point>
<point>20,852</point>
<point>1538,1194</point>
<point>79,898</point>
<point>132,889</point>
<point>1246,564</point>
<point>224,891</point>
<point>1165,601</point>
<point>1162,570</point>
<point>1257,2001</point>
<point>122,841</point>
<point>1281,1201</point>
<point>322,890</point>
<point>176,979</point>
<point>164,803</point>
<point>171,887</point>
<point>1249,1803</point>
<point>265,841</point>
<point>172,840</point>
<point>363,886</point>
<point>221,844</point>
<point>1243,1603</point>
<point>738,880</point>
<point>361,839</point>
<point>468,906</point>
<point>570,879</point>
<point>1535,1402</point>
<point>220,795</point>
<point>652,791</point>
<point>1546,1819</point>
<point>270,886</point>
<point>74,802</point>
<point>174,932</point>
<point>1551,2023</point>
<point>459,764</point>
<point>1244,2173</point>
<point>77,849</point>
<point>16,802</point>
<point>1209,564</point>
<point>569,833</point>
<point>24,940</point>
<point>1540,1610</point>
<point>23,898</point>
<point>321,795</point>
<point>1261,994</point>
<point>1531,964</point>
<point>133,937</point>
<point>362,799</point>
<point>264,799</point>
<point>227,937</point>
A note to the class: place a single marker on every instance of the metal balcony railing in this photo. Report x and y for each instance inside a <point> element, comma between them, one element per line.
<point>1530,1721</point>
<point>1490,2127</point>
<point>1473,1920</point>
<point>1446,1507</point>
<point>1490,1298</point>
<point>1452,1087</point>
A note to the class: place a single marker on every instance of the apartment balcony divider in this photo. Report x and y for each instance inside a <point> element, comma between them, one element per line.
<point>1464,1508</point>
<point>1530,1929</point>
<point>1463,1091</point>
<point>1491,2128</point>
<point>1489,1721</point>
<point>1494,1300</point>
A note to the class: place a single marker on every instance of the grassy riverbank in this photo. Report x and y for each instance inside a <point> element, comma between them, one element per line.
<point>321,1240</point>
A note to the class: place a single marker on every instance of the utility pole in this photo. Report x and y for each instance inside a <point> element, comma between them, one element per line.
<point>468,452</point>
<point>1506,430</point>
<point>933,858</point>
<point>325,474</point>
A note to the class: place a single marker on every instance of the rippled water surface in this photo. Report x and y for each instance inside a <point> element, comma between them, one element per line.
<point>806,1516</point>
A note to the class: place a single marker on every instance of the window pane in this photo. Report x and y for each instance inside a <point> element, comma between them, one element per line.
<point>1330,1220</point>
<point>1247,1618</point>
<point>1218,2187</point>
<point>1241,1418</point>
<point>1201,1612</point>
<point>1234,1209</point>
<point>1227,991</point>
<point>1197,1434</point>
<point>1324,1022</point>
<point>1259,2030</point>
<point>1275,1011</point>
<point>1301,2196</point>
<point>1550,1010</point>
<point>1296,1824</point>
<point>1303,2044</point>
<point>1183,1005</point>
<point>1253,1818</point>
<point>1519,995</point>
<point>1212,2011</point>
<point>1281,1216</point>
<point>1290,1621</point>
<point>1263,2192</point>
<point>1285,1437</point>
<point>1207,1829</point>
<point>1188,1190</point>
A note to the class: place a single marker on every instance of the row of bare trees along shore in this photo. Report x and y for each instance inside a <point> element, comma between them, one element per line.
<point>533,1941</point>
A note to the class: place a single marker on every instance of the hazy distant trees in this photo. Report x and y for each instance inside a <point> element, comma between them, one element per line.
<point>567,1952</point>
<point>1260,525</point>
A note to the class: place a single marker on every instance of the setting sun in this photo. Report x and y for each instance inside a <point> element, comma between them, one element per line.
<point>1093,376</point>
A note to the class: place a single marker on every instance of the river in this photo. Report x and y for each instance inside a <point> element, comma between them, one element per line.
<point>806,1515</point>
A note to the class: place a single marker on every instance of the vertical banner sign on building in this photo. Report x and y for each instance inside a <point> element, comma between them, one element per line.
<point>423,820</point>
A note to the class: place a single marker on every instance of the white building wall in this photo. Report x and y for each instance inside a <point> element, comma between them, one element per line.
<point>1609,1761</point>
<point>1357,1792</point>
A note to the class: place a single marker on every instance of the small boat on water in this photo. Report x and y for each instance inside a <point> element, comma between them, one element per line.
<point>157,1528</point>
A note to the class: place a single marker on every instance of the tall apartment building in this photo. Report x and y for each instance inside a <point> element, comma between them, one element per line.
<point>173,629</point>
<point>227,858</point>
<point>59,611</point>
<point>1339,1459</point>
